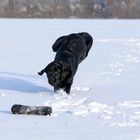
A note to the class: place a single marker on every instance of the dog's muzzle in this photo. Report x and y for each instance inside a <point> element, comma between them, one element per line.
<point>52,81</point>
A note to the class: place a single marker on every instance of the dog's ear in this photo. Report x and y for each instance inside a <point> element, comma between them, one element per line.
<point>57,43</point>
<point>88,40</point>
<point>41,72</point>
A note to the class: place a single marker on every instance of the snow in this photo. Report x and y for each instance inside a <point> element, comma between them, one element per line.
<point>104,102</point>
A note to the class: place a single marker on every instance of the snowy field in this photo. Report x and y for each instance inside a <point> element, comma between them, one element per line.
<point>104,103</point>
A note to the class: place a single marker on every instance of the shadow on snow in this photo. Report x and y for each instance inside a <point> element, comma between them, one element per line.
<point>21,85</point>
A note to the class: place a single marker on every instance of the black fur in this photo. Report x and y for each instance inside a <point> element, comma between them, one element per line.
<point>70,51</point>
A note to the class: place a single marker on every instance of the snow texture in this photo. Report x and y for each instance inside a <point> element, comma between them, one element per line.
<point>104,102</point>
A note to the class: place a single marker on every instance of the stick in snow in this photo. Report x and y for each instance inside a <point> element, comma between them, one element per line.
<point>31,110</point>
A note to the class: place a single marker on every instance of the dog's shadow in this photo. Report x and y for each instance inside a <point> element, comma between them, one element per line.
<point>18,84</point>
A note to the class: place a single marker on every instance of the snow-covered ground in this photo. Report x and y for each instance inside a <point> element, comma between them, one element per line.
<point>104,103</point>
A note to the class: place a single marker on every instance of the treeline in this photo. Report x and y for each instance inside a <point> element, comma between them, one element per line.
<point>70,8</point>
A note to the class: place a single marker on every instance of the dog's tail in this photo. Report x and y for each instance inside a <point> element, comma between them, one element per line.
<point>41,72</point>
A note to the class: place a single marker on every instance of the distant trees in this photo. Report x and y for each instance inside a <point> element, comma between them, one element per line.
<point>12,7</point>
<point>70,8</point>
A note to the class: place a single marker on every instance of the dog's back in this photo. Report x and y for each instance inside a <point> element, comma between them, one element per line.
<point>73,47</point>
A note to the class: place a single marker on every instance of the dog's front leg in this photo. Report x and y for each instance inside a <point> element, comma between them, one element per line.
<point>56,88</point>
<point>68,83</point>
<point>67,88</point>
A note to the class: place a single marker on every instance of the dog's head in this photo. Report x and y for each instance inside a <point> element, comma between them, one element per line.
<point>55,72</point>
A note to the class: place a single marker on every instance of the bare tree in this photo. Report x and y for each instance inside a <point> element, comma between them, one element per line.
<point>12,6</point>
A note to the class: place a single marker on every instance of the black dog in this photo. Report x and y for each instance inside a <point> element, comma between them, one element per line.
<point>70,51</point>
